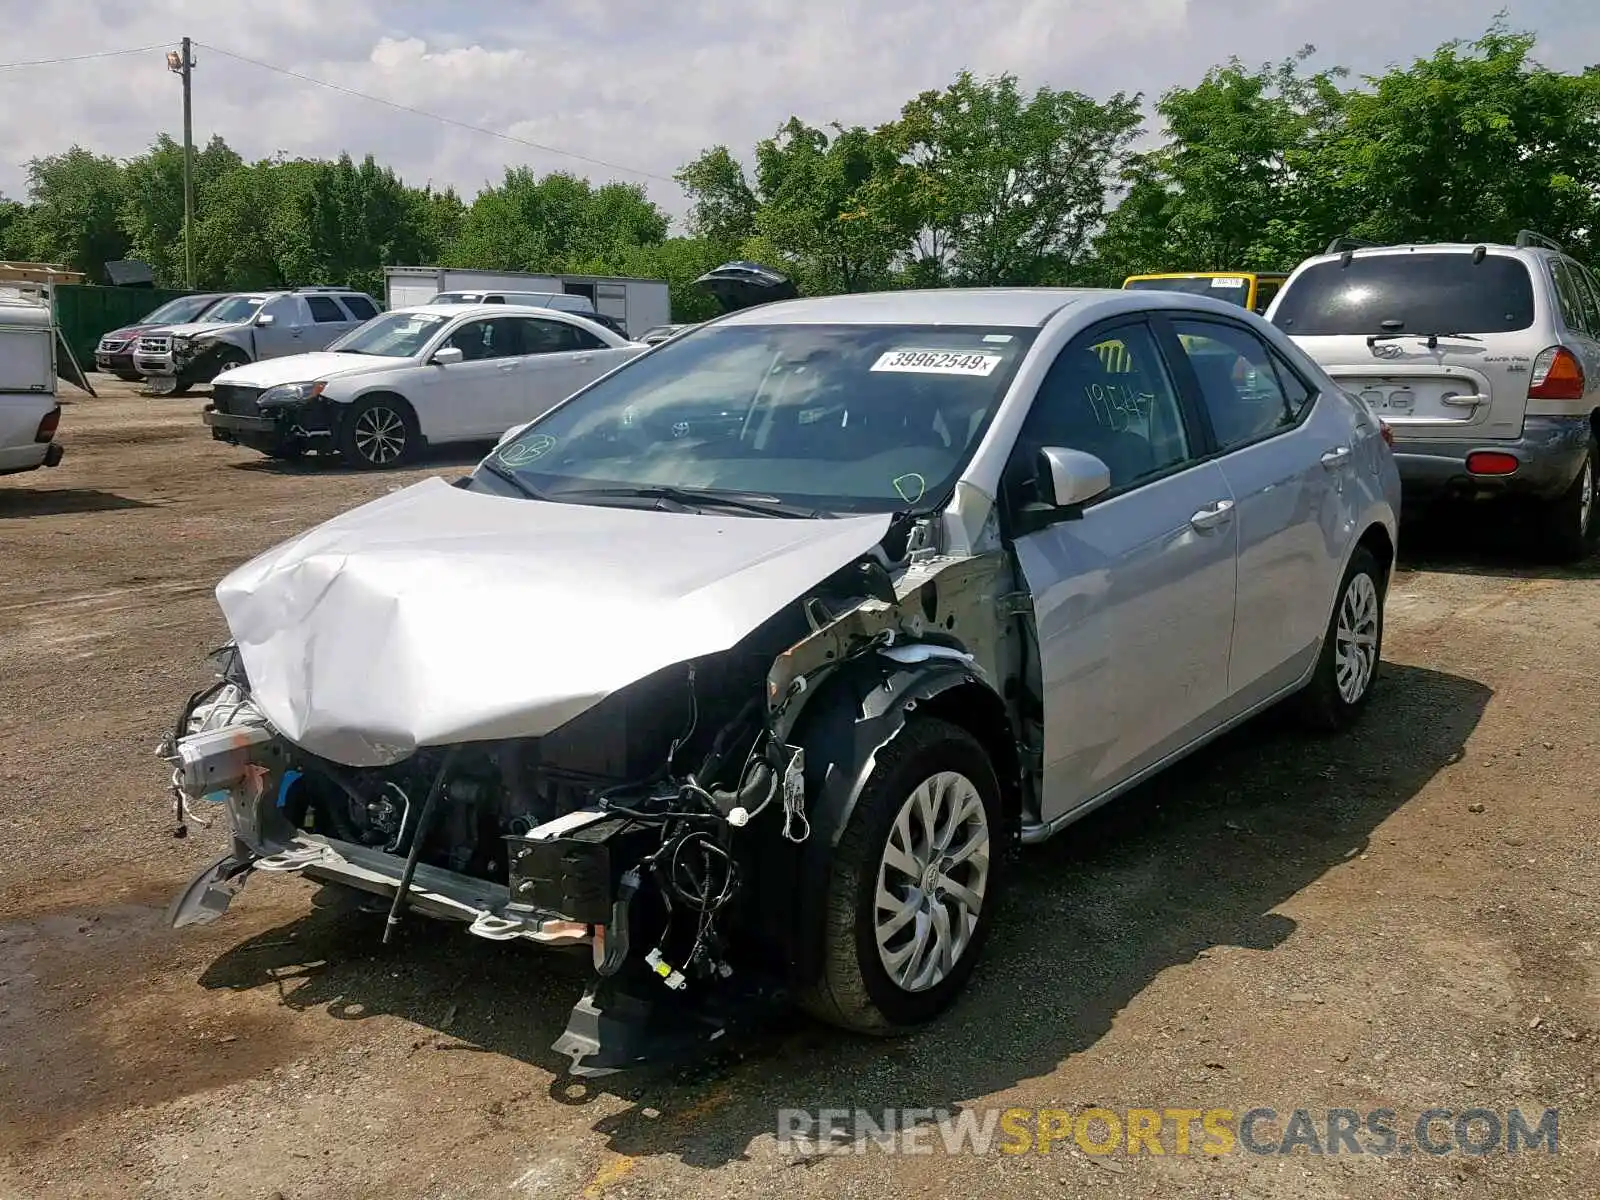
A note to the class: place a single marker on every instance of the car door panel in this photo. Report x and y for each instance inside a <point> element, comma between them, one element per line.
<point>558,359</point>
<point>1288,461</point>
<point>462,401</point>
<point>1133,613</point>
<point>1133,602</point>
<point>287,333</point>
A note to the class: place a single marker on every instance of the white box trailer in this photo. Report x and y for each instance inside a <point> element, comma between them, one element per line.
<point>638,304</point>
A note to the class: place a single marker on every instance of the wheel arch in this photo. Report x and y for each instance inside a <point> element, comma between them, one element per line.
<point>1377,540</point>
<point>843,730</point>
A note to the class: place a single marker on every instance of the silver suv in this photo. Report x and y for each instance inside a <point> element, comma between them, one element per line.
<point>248,327</point>
<point>1483,359</point>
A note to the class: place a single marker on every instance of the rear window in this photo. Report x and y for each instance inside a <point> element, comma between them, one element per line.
<point>1426,293</point>
<point>1234,289</point>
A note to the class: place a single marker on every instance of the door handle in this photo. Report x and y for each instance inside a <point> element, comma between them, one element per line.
<point>1219,513</point>
<point>1337,457</point>
<point>508,366</point>
<point>583,358</point>
<point>1471,400</point>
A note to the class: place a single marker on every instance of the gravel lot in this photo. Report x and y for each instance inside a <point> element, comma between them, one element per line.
<point>1405,918</point>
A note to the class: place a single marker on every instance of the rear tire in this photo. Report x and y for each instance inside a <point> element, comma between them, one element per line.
<point>379,432</point>
<point>889,968</point>
<point>1573,524</point>
<point>1352,648</point>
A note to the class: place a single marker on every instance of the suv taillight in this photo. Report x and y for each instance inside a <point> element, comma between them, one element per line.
<point>1557,375</point>
<point>49,425</point>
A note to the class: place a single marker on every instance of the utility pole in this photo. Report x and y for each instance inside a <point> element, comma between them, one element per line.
<point>182,64</point>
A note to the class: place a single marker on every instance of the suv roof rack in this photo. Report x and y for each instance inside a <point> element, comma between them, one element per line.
<point>1527,237</point>
<point>1341,244</point>
<point>319,288</point>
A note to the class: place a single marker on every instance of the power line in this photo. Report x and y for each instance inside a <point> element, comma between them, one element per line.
<point>433,116</point>
<point>72,58</point>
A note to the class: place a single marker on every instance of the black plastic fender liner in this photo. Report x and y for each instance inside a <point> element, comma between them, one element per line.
<point>842,730</point>
<point>211,891</point>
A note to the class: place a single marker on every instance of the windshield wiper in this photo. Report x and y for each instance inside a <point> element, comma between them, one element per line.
<point>500,472</point>
<point>1433,338</point>
<point>765,506</point>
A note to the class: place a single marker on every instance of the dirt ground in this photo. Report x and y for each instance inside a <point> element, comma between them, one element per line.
<point>1404,917</point>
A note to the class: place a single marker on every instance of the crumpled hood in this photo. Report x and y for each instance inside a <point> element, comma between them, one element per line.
<point>196,328</point>
<point>438,615</point>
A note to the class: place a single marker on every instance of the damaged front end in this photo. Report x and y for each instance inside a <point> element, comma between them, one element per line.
<point>671,831</point>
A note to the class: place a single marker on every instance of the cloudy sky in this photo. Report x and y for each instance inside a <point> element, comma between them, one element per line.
<point>620,81</point>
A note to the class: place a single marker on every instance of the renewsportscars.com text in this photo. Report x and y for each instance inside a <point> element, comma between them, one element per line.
<point>1168,1131</point>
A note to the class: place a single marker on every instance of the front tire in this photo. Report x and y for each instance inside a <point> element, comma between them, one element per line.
<point>914,884</point>
<point>1351,649</point>
<point>379,431</point>
<point>1574,524</point>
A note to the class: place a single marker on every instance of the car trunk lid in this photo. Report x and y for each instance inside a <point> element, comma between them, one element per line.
<point>1453,390</point>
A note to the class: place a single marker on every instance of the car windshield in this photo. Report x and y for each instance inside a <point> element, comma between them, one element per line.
<point>837,418</point>
<point>232,308</point>
<point>180,311</point>
<point>1415,292</point>
<point>1235,289</point>
<point>391,335</point>
<point>458,298</point>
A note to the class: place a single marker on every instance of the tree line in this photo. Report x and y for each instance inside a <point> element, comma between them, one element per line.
<point>980,183</point>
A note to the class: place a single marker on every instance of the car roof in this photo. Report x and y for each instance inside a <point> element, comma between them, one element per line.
<point>486,310</point>
<point>1426,247</point>
<point>1000,307</point>
<point>934,306</point>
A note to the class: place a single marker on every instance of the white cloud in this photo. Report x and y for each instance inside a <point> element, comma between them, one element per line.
<point>627,83</point>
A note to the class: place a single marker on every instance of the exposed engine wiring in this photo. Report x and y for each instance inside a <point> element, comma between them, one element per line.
<point>694,720</point>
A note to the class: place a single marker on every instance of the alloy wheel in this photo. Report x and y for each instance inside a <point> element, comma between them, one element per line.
<point>380,435</point>
<point>931,883</point>
<point>1356,638</point>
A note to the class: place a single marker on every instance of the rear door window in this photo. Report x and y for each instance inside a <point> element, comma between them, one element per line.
<point>1591,299</point>
<point>360,307</point>
<point>1426,292</point>
<point>324,311</point>
<point>1247,394</point>
<point>1577,302</point>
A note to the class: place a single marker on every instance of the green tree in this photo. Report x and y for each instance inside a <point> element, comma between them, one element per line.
<point>722,205</point>
<point>152,209</point>
<point>12,215</point>
<point>817,214</point>
<point>362,217</point>
<point>528,223</point>
<point>77,200</point>
<point>1240,181</point>
<point>252,233</point>
<point>1000,188</point>
<point>1472,143</point>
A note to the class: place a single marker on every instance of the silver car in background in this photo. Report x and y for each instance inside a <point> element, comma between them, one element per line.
<point>1483,359</point>
<point>743,668</point>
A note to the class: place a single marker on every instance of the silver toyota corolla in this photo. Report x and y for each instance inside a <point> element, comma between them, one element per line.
<point>741,670</point>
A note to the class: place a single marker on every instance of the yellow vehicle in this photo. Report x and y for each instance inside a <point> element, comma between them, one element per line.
<point>1248,289</point>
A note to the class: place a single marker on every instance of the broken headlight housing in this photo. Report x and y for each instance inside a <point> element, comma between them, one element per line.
<point>286,394</point>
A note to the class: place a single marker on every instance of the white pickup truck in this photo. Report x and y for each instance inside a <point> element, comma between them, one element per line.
<point>29,412</point>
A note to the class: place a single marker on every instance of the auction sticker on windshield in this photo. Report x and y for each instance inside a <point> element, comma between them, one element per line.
<point>1228,281</point>
<point>937,362</point>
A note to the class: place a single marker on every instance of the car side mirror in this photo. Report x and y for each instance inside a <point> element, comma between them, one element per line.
<point>265,319</point>
<point>446,356</point>
<point>1069,479</point>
